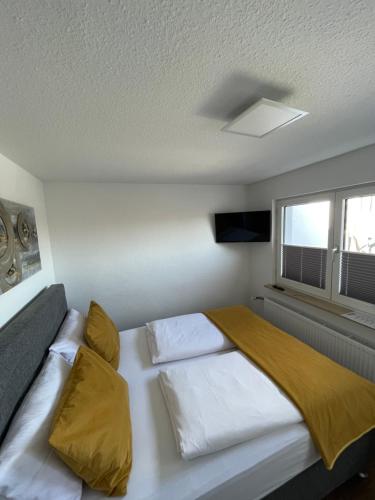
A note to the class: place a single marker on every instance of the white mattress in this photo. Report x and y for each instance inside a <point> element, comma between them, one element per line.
<point>246,471</point>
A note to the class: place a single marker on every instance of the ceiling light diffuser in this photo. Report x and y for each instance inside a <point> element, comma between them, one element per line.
<point>263,117</point>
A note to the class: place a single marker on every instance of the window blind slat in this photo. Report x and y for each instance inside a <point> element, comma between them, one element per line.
<point>357,276</point>
<point>305,265</point>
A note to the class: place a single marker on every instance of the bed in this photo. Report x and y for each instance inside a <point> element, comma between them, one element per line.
<point>283,464</point>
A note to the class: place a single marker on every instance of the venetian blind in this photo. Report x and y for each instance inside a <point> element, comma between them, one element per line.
<point>357,276</point>
<point>305,265</point>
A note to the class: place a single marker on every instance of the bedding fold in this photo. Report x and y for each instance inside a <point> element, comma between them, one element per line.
<point>338,405</point>
<point>186,336</point>
<point>221,401</point>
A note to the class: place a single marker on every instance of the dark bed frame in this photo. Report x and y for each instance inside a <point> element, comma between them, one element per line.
<point>316,482</point>
<point>24,343</point>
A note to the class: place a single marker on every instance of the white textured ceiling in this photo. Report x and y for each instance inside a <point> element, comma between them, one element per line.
<point>138,90</point>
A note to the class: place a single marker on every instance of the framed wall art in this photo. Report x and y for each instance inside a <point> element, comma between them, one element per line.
<point>19,247</point>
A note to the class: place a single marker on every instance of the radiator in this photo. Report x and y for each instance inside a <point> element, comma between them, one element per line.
<point>344,350</point>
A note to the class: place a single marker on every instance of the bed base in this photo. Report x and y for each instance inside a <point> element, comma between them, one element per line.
<point>316,482</point>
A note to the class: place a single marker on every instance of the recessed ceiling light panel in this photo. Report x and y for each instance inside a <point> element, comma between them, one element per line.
<point>263,117</point>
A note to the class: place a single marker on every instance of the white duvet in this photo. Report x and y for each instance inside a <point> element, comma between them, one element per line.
<point>183,337</point>
<point>221,401</point>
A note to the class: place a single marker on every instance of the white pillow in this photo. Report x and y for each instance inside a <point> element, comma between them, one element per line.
<point>70,336</point>
<point>183,337</point>
<point>29,467</point>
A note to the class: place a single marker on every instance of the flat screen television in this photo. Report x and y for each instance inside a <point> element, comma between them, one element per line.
<point>243,226</point>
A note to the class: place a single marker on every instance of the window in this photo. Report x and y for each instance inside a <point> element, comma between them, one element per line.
<point>325,245</point>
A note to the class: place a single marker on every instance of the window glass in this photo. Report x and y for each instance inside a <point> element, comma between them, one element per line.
<point>359,233</point>
<point>357,261</point>
<point>307,225</point>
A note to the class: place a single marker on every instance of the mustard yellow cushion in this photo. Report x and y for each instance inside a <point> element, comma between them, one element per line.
<point>102,335</point>
<point>91,430</point>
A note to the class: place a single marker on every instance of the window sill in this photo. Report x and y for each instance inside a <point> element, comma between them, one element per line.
<point>326,305</point>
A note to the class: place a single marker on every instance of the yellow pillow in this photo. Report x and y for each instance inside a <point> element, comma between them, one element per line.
<point>102,335</point>
<point>91,429</point>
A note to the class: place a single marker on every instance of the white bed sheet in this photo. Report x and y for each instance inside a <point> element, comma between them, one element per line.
<point>249,470</point>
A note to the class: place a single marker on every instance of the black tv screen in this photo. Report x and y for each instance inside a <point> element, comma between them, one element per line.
<point>243,226</point>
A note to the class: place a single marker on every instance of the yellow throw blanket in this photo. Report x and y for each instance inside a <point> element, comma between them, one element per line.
<point>338,406</point>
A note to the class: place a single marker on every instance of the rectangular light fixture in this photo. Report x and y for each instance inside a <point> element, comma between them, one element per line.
<point>263,117</point>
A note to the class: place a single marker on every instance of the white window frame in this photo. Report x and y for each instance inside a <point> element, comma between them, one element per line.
<point>335,245</point>
<point>303,200</point>
<point>341,196</point>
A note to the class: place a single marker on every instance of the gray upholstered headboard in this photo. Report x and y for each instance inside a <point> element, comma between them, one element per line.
<point>24,342</point>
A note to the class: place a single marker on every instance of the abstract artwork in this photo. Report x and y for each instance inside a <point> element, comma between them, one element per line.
<point>19,247</point>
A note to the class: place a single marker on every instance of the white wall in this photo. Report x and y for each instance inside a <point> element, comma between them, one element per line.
<point>352,168</point>
<point>18,185</point>
<point>145,251</point>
